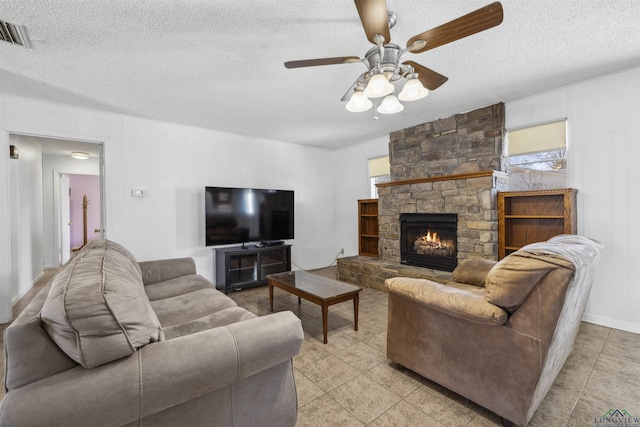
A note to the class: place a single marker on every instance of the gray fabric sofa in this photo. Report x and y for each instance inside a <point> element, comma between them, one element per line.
<point>499,333</point>
<point>113,342</point>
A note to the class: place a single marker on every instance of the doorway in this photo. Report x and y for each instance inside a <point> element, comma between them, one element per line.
<point>80,212</point>
<point>66,180</point>
<point>32,211</point>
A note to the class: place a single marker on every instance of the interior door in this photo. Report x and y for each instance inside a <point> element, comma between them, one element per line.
<point>65,219</point>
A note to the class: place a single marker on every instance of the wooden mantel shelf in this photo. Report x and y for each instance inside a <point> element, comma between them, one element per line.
<point>480,174</point>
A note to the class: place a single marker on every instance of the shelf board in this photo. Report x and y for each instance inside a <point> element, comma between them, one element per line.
<point>371,254</point>
<point>534,216</point>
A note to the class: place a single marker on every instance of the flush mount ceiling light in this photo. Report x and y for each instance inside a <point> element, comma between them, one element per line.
<point>81,155</point>
<point>383,60</point>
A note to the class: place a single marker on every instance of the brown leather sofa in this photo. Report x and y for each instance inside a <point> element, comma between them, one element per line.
<point>499,333</point>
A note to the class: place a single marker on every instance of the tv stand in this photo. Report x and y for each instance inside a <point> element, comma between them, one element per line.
<point>247,266</point>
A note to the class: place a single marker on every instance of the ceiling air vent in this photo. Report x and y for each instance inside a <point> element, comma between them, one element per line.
<point>14,34</point>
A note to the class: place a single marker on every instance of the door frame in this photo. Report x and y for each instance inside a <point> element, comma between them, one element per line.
<point>6,255</point>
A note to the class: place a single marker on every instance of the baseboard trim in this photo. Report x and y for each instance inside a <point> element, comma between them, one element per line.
<point>612,323</point>
<point>23,293</point>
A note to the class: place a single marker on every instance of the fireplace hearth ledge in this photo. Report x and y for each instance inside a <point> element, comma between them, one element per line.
<point>372,272</point>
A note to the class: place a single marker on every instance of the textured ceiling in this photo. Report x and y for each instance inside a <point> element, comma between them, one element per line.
<point>219,64</point>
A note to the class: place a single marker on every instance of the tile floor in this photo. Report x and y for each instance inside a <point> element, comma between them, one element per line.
<point>350,382</point>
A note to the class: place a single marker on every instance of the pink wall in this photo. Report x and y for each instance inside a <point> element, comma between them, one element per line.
<point>81,185</point>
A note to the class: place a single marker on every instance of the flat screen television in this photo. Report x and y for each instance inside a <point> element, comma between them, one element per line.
<point>240,215</point>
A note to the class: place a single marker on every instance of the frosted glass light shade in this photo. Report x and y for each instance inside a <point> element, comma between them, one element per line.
<point>412,91</point>
<point>358,102</point>
<point>390,105</point>
<point>378,87</point>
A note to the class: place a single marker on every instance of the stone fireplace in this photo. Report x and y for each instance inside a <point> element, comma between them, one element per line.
<point>429,240</point>
<point>451,166</point>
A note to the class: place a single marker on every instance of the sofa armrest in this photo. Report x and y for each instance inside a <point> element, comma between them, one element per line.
<point>166,269</point>
<point>449,300</point>
<point>158,376</point>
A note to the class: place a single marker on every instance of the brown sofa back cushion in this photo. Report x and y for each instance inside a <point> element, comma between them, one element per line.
<point>473,271</point>
<point>511,280</point>
<point>97,310</point>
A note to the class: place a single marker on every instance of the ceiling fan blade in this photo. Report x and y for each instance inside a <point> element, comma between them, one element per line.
<point>374,18</point>
<point>472,23</point>
<point>429,78</point>
<point>322,61</point>
<point>348,94</point>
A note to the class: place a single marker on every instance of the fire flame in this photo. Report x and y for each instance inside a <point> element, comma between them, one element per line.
<point>430,244</point>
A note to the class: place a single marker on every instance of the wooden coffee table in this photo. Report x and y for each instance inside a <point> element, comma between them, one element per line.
<point>316,289</point>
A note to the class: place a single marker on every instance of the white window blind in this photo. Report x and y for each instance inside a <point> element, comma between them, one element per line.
<point>379,167</point>
<point>536,139</point>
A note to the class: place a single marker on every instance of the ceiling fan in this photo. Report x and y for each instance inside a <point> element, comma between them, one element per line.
<point>383,60</point>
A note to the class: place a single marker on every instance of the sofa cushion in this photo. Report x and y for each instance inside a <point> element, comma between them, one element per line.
<point>511,280</point>
<point>102,244</point>
<point>97,310</point>
<point>470,303</point>
<point>473,271</point>
<point>190,306</point>
<point>178,286</point>
<point>216,319</point>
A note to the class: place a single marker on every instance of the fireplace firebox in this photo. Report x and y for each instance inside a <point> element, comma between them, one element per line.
<point>429,240</point>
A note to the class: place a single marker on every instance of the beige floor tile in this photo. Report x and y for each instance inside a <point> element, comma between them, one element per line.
<point>361,356</point>
<point>404,414</point>
<point>586,349</point>
<point>311,353</point>
<point>442,405</point>
<point>397,381</point>
<point>325,412</point>
<point>307,390</point>
<point>338,341</point>
<point>486,418</point>
<point>328,373</point>
<point>364,398</point>
<point>569,383</point>
<point>593,330</point>
<point>625,345</point>
<point>550,414</point>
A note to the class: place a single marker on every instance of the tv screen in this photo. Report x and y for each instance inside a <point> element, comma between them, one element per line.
<point>240,215</point>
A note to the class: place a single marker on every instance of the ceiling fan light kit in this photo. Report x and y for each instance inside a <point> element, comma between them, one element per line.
<point>378,86</point>
<point>383,60</point>
<point>413,90</point>
<point>359,102</point>
<point>390,105</point>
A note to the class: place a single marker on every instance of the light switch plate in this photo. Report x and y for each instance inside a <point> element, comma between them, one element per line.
<point>137,192</point>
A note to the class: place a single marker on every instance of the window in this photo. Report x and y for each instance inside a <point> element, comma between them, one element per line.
<point>379,171</point>
<point>538,156</point>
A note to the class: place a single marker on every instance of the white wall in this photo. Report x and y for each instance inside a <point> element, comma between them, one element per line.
<point>25,189</point>
<point>603,148</point>
<point>352,184</point>
<point>174,163</point>
<point>52,166</point>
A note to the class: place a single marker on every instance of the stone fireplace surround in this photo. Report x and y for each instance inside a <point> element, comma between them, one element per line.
<point>453,165</point>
